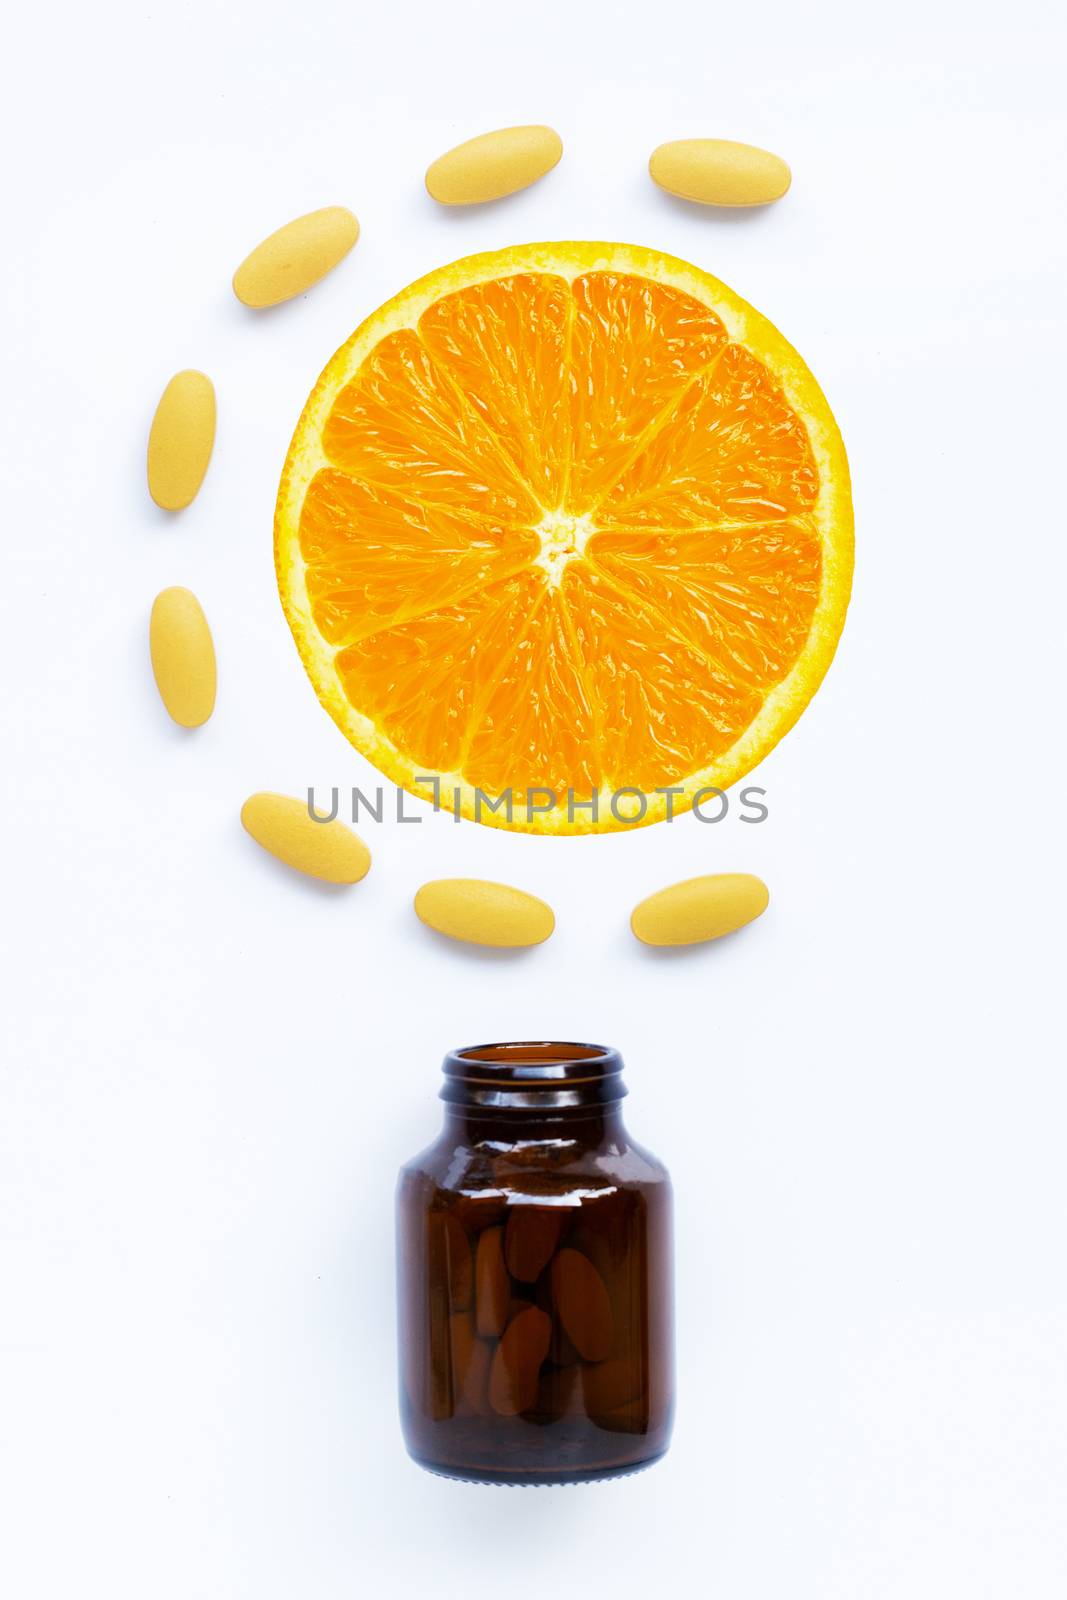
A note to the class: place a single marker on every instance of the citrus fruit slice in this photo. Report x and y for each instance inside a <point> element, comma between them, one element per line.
<point>562,528</point>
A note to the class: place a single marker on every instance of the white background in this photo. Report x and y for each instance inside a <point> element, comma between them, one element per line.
<point>214,1068</point>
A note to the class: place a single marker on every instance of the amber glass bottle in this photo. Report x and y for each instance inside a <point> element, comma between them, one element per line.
<point>535,1283</point>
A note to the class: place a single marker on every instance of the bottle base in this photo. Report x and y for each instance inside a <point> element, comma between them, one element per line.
<point>534,1478</point>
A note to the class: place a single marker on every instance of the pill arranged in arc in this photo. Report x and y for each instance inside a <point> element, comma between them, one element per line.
<point>475,911</point>
<point>183,656</point>
<point>492,1288</point>
<point>699,909</point>
<point>719,172</point>
<point>582,1304</point>
<point>493,165</point>
<point>295,257</point>
<point>531,1236</point>
<point>181,440</point>
<point>516,1365</point>
<point>326,850</point>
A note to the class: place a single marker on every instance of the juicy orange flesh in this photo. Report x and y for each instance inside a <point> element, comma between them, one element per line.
<point>565,537</point>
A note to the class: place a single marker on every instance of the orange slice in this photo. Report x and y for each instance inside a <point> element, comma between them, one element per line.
<point>565,521</point>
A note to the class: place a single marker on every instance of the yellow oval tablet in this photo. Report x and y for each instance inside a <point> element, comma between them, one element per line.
<point>718,172</point>
<point>484,913</point>
<point>181,440</point>
<point>295,257</point>
<point>183,656</point>
<point>493,165</point>
<point>285,827</point>
<point>699,909</point>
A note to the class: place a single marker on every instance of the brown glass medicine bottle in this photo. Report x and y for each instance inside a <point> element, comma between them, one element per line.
<point>535,1276</point>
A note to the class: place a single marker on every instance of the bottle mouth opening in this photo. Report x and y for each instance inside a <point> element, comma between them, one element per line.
<point>531,1073</point>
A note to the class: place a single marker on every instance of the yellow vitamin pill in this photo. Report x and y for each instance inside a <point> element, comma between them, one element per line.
<point>183,656</point>
<point>294,258</point>
<point>719,172</point>
<point>181,440</point>
<point>493,165</point>
<point>285,827</point>
<point>700,909</point>
<point>477,912</point>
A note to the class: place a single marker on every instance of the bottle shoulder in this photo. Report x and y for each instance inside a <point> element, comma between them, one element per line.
<point>454,1163</point>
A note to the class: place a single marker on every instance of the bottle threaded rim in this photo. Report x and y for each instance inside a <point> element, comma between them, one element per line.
<point>533,1074</point>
